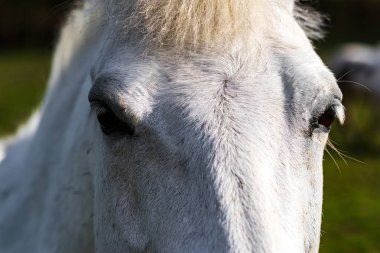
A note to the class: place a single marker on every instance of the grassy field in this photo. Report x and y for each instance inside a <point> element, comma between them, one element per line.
<point>22,80</point>
<point>351,211</point>
<point>351,218</point>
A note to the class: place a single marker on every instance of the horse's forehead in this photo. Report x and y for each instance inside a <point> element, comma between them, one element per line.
<point>251,67</point>
<point>267,57</point>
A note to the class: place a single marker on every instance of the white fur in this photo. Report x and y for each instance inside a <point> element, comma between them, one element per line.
<point>224,159</point>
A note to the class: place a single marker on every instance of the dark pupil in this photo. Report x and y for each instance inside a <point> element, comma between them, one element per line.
<point>327,118</point>
<point>108,122</point>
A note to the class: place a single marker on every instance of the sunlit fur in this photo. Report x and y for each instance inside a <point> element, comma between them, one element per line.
<point>179,24</point>
<point>226,157</point>
<point>182,23</point>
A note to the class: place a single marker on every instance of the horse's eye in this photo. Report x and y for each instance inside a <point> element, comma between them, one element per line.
<point>327,118</point>
<point>110,123</point>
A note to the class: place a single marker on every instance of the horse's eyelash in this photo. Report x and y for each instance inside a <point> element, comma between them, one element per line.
<point>97,108</point>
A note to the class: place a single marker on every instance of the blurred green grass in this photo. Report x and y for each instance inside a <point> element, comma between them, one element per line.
<point>23,76</point>
<point>351,207</point>
<point>351,216</point>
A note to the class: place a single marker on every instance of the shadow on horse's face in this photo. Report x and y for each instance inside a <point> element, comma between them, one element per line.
<point>217,152</point>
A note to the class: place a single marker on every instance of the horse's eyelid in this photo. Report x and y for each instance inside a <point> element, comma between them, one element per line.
<point>101,85</point>
<point>339,110</point>
<point>97,108</point>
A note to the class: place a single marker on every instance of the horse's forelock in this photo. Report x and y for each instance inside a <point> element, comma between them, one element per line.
<point>311,21</point>
<point>182,24</point>
<point>179,24</point>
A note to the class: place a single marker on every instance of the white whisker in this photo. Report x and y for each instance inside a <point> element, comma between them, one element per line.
<point>348,72</point>
<point>333,159</point>
<point>359,84</point>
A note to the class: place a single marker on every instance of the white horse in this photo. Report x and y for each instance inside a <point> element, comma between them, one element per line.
<point>205,132</point>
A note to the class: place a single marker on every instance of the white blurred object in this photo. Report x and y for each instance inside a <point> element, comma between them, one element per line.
<point>2,152</point>
<point>358,65</point>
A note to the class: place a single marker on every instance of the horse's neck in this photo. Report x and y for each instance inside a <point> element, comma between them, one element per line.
<point>45,180</point>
